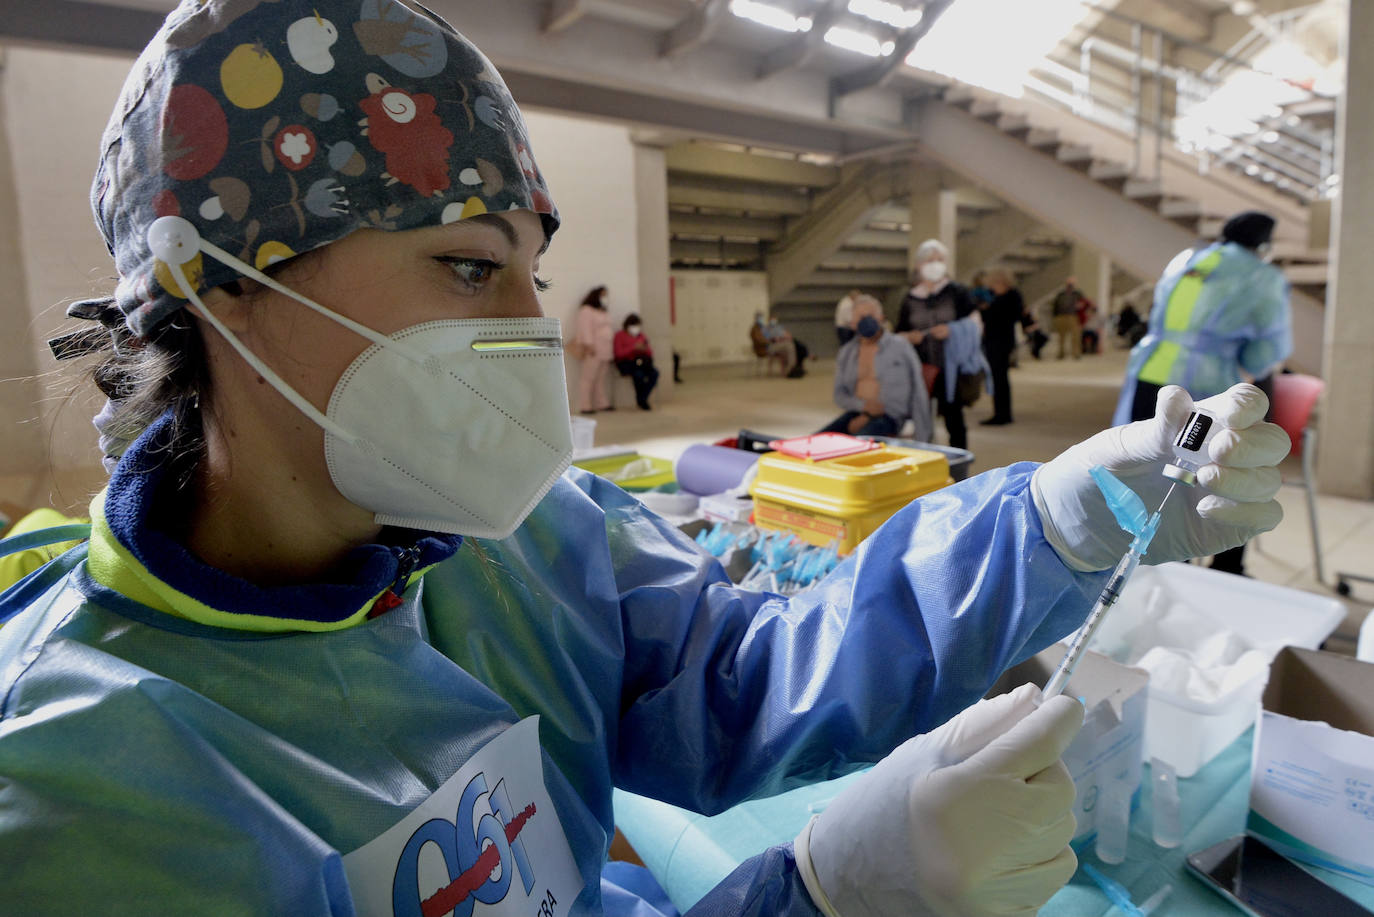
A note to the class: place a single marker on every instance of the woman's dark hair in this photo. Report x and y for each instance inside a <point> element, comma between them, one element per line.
<point>145,377</point>
<point>593,298</point>
<point>631,319</point>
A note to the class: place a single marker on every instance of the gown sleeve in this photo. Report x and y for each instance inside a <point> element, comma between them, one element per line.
<point>729,694</point>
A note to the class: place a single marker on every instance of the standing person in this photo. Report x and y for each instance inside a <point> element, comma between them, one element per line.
<point>933,303</point>
<point>844,317</point>
<point>1220,313</point>
<point>594,342</point>
<point>878,380</point>
<point>349,636</point>
<point>1006,310</point>
<point>635,358</point>
<point>1067,329</point>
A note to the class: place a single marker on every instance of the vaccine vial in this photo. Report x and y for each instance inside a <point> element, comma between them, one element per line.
<point>1168,819</point>
<point>1190,447</point>
<point>1113,820</point>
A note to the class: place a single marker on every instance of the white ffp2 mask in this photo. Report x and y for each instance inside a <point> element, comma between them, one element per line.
<point>933,271</point>
<point>466,442</point>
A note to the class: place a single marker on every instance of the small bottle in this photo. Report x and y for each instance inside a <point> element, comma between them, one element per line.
<point>1168,820</point>
<point>1113,820</point>
<point>1190,447</point>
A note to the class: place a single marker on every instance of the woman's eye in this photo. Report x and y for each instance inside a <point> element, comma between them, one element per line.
<point>475,272</point>
<point>542,285</point>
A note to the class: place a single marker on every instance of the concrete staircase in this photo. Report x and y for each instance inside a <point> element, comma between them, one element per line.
<point>1076,176</point>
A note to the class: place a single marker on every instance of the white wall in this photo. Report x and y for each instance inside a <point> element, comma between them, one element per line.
<point>714,312</point>
<point>53,108</point>
<point>589,167</point>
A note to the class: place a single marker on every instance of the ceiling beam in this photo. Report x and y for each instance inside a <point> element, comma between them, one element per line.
<point>690,250</point>
<point>801,48</point>
<point>1201,20</point>
<point>695,30</point>
<point>68,24</point>
<point>704,159</point>
<point>750,199</point>
<point>722,227</point>
<point>847,258</point>
<point>561,14</point>
<point>879,73</point>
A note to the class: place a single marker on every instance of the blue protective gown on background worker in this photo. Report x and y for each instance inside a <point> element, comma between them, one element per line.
<point>1218,310</point>
<point>154,762</point>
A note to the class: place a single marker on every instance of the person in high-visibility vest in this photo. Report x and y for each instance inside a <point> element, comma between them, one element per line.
<point>1220,314</point>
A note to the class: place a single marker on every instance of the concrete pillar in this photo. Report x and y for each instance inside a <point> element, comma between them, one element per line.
<point>1093,271</point>
<point>23,459</point>
<point>934,214</point>
<point>1346,448</point>
<point>651,230</point>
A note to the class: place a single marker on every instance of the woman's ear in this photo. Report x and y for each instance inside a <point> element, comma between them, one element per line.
<point>233,302</point>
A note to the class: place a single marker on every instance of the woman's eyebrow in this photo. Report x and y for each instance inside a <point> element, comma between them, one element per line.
<point>498,223</point>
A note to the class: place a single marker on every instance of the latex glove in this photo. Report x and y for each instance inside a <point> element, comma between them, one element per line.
<point>972,819</point>
<point>1232,502</point>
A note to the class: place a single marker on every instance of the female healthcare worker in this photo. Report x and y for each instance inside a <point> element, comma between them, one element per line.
<point>348,637</point>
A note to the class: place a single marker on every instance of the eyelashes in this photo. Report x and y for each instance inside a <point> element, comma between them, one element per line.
<point>476,273</point>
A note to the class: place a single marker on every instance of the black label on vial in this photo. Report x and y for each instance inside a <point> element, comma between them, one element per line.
<point>1194,432</point>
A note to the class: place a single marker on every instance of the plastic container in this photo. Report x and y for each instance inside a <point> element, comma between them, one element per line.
<point>656,472</point>
<point>583,434</point>
<point>960,460</point>
<point>842,499</point>
<point>1185,732</point>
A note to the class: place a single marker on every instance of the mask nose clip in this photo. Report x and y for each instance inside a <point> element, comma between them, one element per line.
<point>173,240</point>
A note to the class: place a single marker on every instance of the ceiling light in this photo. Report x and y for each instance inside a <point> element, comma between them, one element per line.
<point>769,15</point>
<point>851,40</point>
<point>1243,7</point>
<point>1270,136</point>
<point>892,14</point>
<point>1252,169</point>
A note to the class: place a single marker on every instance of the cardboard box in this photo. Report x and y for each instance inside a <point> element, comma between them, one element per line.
<point>1312,774</point>
<point>1110,747</point>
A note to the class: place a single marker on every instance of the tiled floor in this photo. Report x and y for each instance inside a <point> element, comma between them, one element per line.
<point>1057,403</point>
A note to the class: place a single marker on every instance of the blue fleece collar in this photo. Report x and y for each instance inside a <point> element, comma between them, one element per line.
<point>143,491</point>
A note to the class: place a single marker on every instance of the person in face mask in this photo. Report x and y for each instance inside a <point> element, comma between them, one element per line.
<point>878,380</point>
<point>932,304</point>
<point>635,358</point>
<point>347,638</point>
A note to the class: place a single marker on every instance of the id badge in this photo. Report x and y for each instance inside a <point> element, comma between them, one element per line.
<point>487,843</point>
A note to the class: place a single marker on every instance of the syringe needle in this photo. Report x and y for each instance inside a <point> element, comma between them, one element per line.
<point>1172,488</point>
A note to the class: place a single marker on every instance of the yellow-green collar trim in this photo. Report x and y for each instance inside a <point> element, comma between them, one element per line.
<point>115,567</point>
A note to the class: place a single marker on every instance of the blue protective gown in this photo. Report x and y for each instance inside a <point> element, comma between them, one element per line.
<point>1238,320</point>
<point>154,764</point>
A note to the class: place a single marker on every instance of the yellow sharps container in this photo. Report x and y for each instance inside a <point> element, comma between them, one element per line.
<point>837,488</point>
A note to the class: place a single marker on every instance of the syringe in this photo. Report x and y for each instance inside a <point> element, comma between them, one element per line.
<point>1190,454</point>
<point>1105,601</point>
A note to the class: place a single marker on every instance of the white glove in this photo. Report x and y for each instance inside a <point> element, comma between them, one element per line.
<point>974,818</point>
<point>1232,502</point>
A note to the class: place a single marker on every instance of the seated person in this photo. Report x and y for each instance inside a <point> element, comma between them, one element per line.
<point>781,347</point>
<point>878,380</point>
<point>635,358</point>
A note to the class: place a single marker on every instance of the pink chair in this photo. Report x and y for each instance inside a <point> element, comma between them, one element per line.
<point>1295,398</point>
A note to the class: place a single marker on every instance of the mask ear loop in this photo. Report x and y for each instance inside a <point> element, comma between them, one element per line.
<point>247,270</point>
<point>175,245</point>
